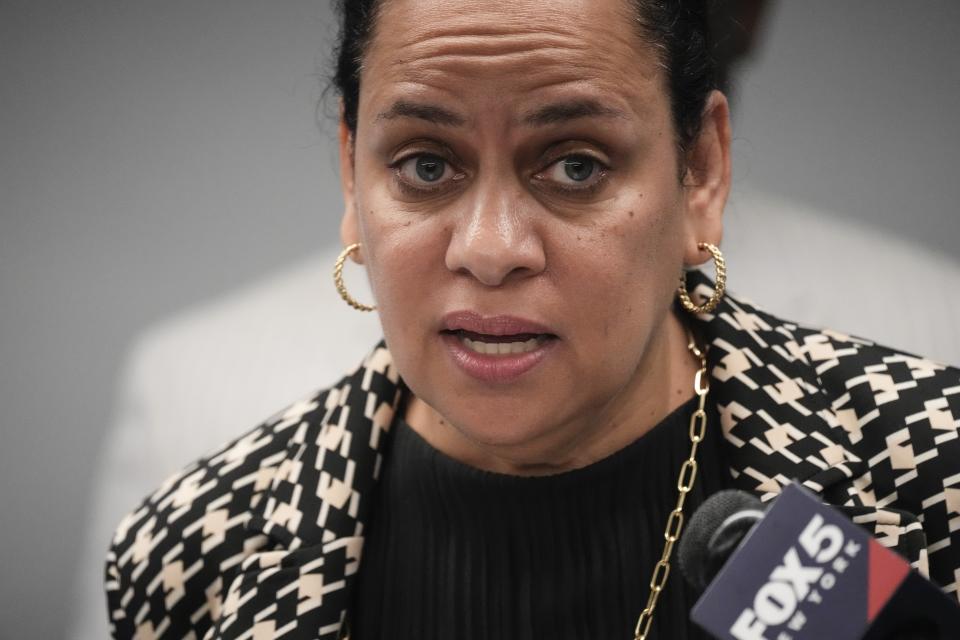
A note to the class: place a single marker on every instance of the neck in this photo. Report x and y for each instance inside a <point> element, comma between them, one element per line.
<point>661,383</point>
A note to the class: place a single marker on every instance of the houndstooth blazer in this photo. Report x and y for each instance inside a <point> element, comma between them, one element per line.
<point>262,539</point>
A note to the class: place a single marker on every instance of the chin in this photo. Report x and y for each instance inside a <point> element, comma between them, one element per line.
<point>511,424</point>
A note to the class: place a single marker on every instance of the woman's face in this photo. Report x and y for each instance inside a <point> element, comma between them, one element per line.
<point>514,182</point>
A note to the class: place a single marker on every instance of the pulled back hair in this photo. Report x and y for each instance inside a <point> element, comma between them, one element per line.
<point>678,30</point>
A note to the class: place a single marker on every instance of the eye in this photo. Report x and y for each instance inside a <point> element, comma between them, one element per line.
<point>574,172</point>
<point>424,169</point>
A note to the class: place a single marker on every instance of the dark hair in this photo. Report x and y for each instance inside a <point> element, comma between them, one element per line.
<point>677,29</point>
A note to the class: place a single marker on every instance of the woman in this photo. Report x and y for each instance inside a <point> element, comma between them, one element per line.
<point>524,182</point>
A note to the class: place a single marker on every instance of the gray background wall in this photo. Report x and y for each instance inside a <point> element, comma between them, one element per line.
<point>156,155</point>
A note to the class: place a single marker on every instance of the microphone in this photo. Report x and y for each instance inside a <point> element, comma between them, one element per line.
<point>800,570</point>
<point>715,531</point>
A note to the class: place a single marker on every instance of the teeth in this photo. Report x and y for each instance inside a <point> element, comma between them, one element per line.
<point>501,348</point>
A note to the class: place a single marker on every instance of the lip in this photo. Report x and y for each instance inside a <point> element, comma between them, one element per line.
<point>492,325</point>
<point>489,368</point>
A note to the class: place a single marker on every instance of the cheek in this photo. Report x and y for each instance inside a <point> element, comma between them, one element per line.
<point>389,235</point>
<point>622,277</point>
<point>634,255</point>
<point>404,264</point>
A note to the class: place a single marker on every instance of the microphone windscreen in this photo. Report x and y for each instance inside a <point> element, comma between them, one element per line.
<point>694,553</point>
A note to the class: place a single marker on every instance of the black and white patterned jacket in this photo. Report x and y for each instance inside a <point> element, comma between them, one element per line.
<point>262,539</point>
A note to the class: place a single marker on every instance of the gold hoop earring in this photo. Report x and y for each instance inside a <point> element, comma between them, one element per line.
<point>338,279</point>
<point>719,288</point>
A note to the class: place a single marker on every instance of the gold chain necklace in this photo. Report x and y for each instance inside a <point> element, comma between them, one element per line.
<point>688,473</point>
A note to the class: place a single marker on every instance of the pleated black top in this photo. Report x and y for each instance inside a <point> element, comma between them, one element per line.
<point>457,552</point>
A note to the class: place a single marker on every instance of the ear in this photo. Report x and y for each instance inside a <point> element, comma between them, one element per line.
<point>349,224</point>
<point>707,179</point>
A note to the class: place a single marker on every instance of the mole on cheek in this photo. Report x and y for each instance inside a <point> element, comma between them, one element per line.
<point>631,213</point>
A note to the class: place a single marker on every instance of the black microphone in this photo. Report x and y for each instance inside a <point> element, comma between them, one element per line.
<point>715,531</point>
<point>801,570</point>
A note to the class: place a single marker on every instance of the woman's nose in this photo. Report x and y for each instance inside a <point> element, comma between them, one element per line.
<point>495,242</point>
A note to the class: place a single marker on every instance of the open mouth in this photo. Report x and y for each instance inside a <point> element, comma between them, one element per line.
<point>492,345</point>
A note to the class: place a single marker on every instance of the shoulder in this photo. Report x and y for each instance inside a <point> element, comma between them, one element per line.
<point>856,376</point>
<point>872,396</point>
<point>870,427</point>
<point>264,530</point>
<point>172,557</point>
<point>901,416</point>
<point>871,380</point>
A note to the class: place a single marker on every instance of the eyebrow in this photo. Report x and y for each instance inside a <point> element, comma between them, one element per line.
<point>569,110</point>
<point>429,112</point>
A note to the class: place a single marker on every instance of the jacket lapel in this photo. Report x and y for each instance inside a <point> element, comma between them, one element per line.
<point>324,487</point>
<point>778,421</point>
<point>305,536</point>
<point>774,416</point>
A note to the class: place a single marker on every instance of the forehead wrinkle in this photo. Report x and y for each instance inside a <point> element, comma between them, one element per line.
<point>423,28</point>
<point>527,70</point>
<point>420,60</point>
<point>465,21</point>
<point>461,38</point>
<point>491,44</point>
<point>466,49</point>
<point>527,50</point>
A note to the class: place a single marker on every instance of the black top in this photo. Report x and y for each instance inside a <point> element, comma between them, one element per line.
<point>457,552</point>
